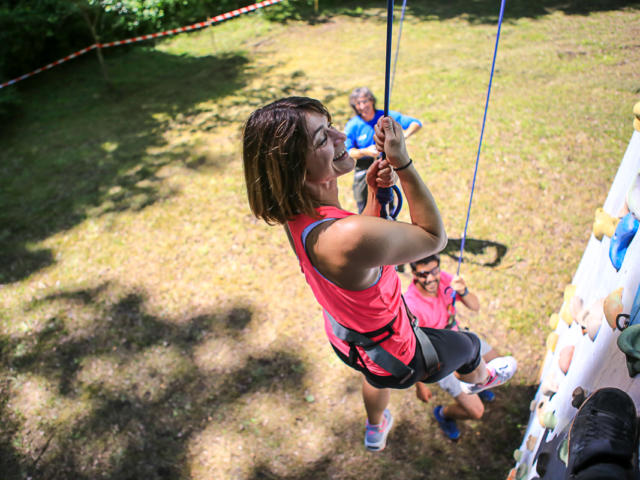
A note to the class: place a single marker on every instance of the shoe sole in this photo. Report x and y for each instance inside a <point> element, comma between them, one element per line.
<point>376,448</point>
<point>569,462</point>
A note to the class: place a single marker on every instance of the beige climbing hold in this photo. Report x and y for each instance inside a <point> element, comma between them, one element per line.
<point>613,306</point>
<point>593,319</point>
<point>552,340</point>
<point>636,120</point>
<point>565,357</point>
<point>548,420</point>
<point>517,455</point>
<point>531,442</point>
<point>604,224</point>
<point>541,410</point>
<point>576,308</point>
<point>550,385</point>
<point>554,319</point>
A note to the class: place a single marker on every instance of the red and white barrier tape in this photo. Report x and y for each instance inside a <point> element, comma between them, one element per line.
<point>188,28</point>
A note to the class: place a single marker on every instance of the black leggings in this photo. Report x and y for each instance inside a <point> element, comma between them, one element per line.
<point>459,351</point>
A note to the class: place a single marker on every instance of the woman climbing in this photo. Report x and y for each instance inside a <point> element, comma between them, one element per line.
<point>293,157</point>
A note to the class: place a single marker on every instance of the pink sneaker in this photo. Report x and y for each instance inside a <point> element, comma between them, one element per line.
<point>375,436</point>
<point>501,369</point>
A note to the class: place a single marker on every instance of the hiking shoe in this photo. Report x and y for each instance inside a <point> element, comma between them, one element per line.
<point>603,436</point>
<point>448,426</point>
<point>487,396</point>
<point>501,369</point>
<point>375,436</point>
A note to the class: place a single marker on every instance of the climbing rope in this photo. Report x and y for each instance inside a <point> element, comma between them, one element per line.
<point>385,195</point>
<point>484,121</point>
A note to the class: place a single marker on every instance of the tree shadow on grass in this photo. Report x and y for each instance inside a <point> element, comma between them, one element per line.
<point>79,149</point>
<point>476,11</point>
<point>138,391</point>
<point>485,253</point>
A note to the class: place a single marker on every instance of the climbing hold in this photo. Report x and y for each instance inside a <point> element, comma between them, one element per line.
<point>522,471</point>
<point>629,343</point>
<point>517,455</point>
<point>590,319</point>
<point>576,308</point>
<point>578,397</point>
<point>512,474</point>
<point>594,321</point>
<point>604,224</point>
<point>531,442</point>
<point>623,320</point>
<point>636,112</point>
<point>563,451</point>
<point>565,310</point>
<point>546,417</point>
<point>532,405</point>
<point>552,340</point>
<point>625,231</point>
<point>554,319</point>
<point>549,386</point>
<point>548,420</point>
<point>565,357</point>
<point>613,306</point>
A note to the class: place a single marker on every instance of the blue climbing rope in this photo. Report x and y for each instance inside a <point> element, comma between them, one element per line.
<point>484,121</point>
<point>385,195</point>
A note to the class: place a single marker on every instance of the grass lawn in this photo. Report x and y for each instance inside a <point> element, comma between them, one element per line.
<point>150,328</point>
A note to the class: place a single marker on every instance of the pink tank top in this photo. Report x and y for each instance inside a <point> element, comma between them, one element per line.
<point>364,310</point>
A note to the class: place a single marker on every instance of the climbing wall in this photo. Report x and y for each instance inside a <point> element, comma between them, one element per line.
<point>600,305</point>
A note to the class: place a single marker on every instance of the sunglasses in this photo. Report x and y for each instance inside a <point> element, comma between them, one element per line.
<point>434,271</point>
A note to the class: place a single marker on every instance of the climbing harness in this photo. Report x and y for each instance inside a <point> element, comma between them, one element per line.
<point>373,348</point>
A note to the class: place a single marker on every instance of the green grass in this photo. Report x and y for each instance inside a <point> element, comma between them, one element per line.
<point>151,328</point>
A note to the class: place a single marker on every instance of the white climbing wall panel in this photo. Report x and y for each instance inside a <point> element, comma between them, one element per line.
<point>595,363</point>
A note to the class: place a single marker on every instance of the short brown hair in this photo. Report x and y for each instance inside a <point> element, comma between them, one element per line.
<point>275,145</point>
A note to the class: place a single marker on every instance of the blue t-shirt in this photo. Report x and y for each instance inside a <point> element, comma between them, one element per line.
<point>360,133</point>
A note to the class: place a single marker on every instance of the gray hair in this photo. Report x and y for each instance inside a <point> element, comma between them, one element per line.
<point>359,92</point>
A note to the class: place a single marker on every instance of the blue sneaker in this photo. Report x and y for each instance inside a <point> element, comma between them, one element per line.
<point>487,396</point>
<point>375,436</point>
<point>449,427</point>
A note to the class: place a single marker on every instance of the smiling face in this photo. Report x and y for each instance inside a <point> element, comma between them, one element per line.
<point>365,108</point>
<point>426,276</point>
<point>327,158</point>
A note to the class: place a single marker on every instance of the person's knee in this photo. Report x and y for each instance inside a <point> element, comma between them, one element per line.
<point>475,410</point>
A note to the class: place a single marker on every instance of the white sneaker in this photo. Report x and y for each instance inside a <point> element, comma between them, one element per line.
<point>501,370</point>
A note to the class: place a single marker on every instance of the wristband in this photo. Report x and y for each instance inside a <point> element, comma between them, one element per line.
<point>404,166</point>
<point>466,291</point>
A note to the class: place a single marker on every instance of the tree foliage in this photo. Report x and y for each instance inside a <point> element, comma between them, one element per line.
<point>36,32</point>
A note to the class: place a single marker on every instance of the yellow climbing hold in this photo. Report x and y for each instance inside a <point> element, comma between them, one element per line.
<point>604,224</point>
<point>554,319</point>
<point>552,340</point>
<point>636,120</point>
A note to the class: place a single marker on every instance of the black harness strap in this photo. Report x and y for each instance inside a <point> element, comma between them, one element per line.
<point>378,354</point>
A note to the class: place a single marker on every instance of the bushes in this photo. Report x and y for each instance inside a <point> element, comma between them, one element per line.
<point>36,32</point>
